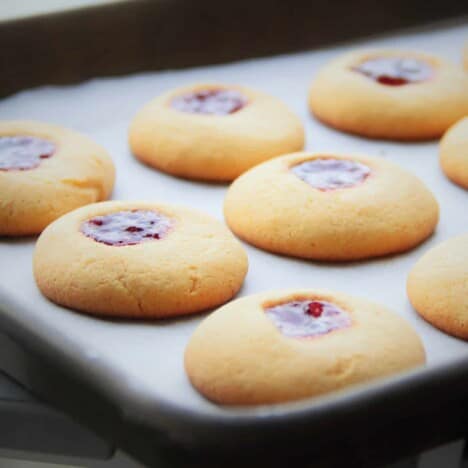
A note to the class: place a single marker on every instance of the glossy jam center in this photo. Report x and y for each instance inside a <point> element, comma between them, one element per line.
<point>210,101</point>
<point>395,71</point>
<point>127,227</point>
<point>21,153</point>
<point>307,318</point>
<point>331,174</point>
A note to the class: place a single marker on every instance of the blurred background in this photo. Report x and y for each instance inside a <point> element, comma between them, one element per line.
<point>80,39</point>
<point>11,9</point>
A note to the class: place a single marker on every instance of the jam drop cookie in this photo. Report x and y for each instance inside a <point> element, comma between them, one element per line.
<point>46,171</point>
<point>22,153</point>
<point>213,132</point>
<point>330,207</point>
<point>438,286</point>
<point>129,227</point>
<point>138,259</point>
<point>454,153</point>
<point>289,345</point>
<point>397,95</point>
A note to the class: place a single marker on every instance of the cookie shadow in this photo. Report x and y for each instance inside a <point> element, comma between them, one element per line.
<point>346,264</point>
<point>18,241</point>
<point>178,178</point>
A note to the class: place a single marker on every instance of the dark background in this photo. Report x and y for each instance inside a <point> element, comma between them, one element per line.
<point>125,37</point>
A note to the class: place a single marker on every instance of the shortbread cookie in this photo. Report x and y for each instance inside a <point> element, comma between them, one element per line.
<point>465,56</point>
<point>213,132</point>
<point>454,153</point>
<point>138,259</point>
<point>46,171</point>
<point>392,94</point>
<point>289,345</point>
<point>438,286</point>
<point>330,207</point>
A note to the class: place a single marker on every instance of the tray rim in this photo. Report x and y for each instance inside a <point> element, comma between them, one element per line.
<point>100,378</point>
<point>192,423</point>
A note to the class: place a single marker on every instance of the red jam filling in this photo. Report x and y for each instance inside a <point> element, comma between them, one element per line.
<point>210,101</point>
<point>21,153</point>
<point>127,227</point>
<point>331,174</point>
<point>395,71</point>
<point>307,318</point>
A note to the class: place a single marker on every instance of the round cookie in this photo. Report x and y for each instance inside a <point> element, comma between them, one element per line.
<point>138,260</point>
<point>465,56</point>
<point>289,345</point>
<point>438,286</point>
<point>46,171</point>
<point>390,94</point>
<point>330,207</point>
<point>213,132</point>
<point>454,153</point>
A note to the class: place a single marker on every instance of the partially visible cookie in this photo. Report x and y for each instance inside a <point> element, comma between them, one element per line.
<point>138,260</point>
<point>330,207</point>
<point>391,94</point>
<point>438,286</point>
<point>213,131</point>
<point>289,345</point>
<point>454,153</point>
<point>46,171</point>
<point>465,56</point>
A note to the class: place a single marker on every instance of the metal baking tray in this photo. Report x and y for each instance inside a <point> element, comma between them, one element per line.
<point>125,380</point>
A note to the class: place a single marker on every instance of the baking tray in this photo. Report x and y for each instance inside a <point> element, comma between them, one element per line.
<point>126,36</point>
<point>125,379</point>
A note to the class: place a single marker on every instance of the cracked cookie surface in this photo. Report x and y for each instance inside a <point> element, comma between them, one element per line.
<point>328,206</point>
<point>46,171</point>
<point>453,153</point>
<point>390,94</point>
<point>437,286</point>
<point>97,259</point>
<point>213,131</point>
<point>315,342</point>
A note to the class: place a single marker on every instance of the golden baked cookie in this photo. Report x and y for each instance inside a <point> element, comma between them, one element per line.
<point>438,286</point>
<point>46,171</point>
<point>213,131</point>
<point>454,153</point>
<point>465,56</point>
<point>138,259</point>
<point>330,207</point>
<point>391,94</point>
<point>289,345</point>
